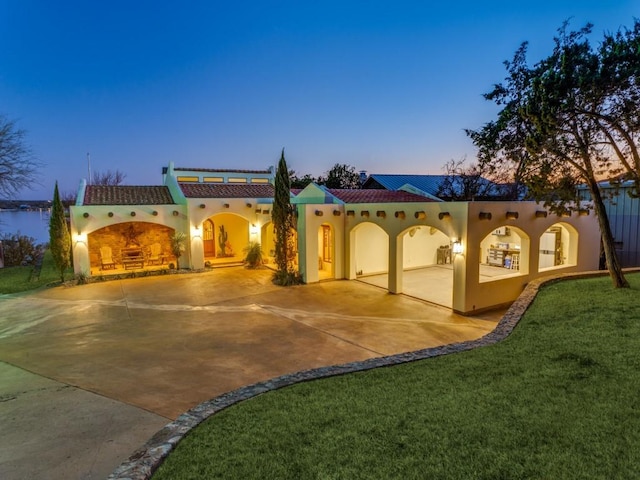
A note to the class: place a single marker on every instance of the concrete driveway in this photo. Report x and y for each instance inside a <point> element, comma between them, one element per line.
<point>123,358</point>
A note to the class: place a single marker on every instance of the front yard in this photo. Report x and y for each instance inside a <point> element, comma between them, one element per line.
<point>557,399</point>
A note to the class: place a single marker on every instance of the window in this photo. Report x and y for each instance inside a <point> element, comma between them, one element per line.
<point>188,179</point>
<point>213,179</point>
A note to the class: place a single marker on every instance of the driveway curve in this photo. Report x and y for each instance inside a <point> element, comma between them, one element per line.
<point>157,346</point>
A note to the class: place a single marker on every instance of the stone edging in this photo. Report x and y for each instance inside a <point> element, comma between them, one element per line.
<point>143,462</point>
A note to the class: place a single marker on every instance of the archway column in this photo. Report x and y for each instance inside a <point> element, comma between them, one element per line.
<point>396,252</point>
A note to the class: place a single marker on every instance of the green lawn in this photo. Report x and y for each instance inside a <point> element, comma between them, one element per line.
<point>559,399</point>
<point>20,279</point>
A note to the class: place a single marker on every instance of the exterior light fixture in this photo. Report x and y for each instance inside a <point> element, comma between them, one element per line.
<point>512,215</point>
<point>443,215</point>
<point>457,246</point>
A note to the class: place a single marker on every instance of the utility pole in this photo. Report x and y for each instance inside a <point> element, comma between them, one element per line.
<point>89,167</point>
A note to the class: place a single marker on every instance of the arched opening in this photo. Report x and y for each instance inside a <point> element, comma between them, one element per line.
<point>326,252</point>
<point>230,234</point>
<point>371,250</point>
<point>504,252</point>
<point>558,247</point>
<point>427,271</point>
<point>129,246</point>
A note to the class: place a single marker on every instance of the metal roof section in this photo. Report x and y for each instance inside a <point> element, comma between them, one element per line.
<point>377,196</point>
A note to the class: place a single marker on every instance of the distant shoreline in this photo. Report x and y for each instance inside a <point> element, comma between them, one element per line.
<point>24,204</point>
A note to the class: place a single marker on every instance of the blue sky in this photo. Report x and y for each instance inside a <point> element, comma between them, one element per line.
<point>387,87</point>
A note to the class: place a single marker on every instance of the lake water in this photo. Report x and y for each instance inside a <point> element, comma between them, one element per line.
<point>32,223</point>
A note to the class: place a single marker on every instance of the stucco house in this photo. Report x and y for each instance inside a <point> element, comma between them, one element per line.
<point>467,256</point>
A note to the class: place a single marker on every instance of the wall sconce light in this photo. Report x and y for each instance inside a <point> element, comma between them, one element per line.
<point>364,213</point>
<point>381,214</point>
<point>512,215</point>
<point>443,215</point>
<point>319,213</point>
<point>457,246</point>
<point>133,214</point>
<point>541,214</point>
<point>484,215</point>
<point>336,213</point>
<point>400,214</point>
<point>253,229</point>
<point>420,215</point>
<point>80,238</point>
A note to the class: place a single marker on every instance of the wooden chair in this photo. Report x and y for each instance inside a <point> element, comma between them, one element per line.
<point>155,254</point>
<point>106,258</point>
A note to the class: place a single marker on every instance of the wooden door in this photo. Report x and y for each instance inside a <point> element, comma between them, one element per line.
<point>208,239</point>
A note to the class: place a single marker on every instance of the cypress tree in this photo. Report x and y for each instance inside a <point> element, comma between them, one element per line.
<point>59,238</point>
<point>283,224</point>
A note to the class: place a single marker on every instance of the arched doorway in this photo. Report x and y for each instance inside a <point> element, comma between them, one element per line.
<point>427,269</point>
<point>504,252</point>
<point>230,236</point>
<point>558,247</point>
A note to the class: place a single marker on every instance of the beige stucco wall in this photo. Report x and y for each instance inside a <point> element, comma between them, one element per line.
<point>470,295</point>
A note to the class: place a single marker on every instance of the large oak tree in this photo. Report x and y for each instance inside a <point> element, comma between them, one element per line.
<point>572,118</point>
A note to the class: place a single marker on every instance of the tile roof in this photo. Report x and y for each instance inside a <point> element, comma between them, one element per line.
<point>376,196</point>
<point>127,195</point>
<point>226,190</point>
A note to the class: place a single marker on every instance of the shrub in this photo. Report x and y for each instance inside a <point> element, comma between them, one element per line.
<point>253,255</point>
<point>20,250</point>
<point>286,279</point>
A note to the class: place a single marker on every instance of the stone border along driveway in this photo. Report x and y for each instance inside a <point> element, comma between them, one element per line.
<point>145,461</point>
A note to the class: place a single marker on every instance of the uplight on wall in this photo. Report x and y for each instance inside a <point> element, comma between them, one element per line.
<point>80,238</point>
<point>457,246</point>
<point>253,229</point>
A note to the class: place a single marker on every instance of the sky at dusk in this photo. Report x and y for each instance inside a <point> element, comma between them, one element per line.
<point>387,87</point>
